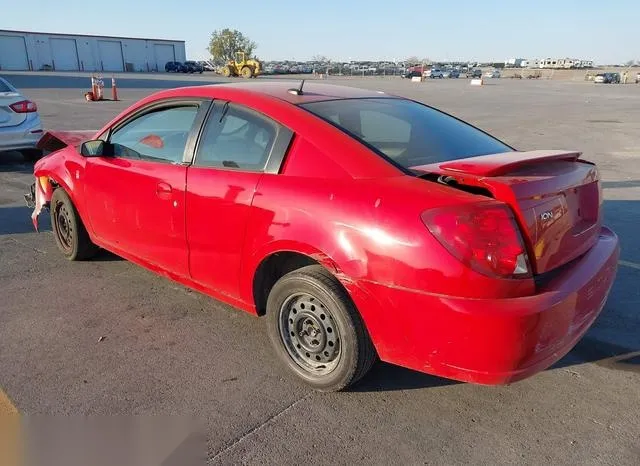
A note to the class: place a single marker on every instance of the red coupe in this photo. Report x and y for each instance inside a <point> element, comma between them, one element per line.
<point>359,224</point>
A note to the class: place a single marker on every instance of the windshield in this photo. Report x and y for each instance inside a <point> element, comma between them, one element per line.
<point>406,132</point>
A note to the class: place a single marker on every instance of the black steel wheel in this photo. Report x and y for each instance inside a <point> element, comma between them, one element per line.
<point>309,333</point>
<point>316,330</point>
<point>69,232</point>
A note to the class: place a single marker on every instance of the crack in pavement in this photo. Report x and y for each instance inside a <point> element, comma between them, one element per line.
<point>26,245</point>
<point>256,428</point>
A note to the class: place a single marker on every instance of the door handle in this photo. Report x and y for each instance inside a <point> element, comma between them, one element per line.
<point>163,190</point>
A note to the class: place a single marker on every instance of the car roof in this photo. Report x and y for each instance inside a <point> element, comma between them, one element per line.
<point>312,91</point>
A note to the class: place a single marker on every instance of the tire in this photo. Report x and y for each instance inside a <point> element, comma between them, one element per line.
<point>246,72</point>
<point>31,155</point>
<point>69,232</point>
<point>331,349</point>
<point>226,72</point>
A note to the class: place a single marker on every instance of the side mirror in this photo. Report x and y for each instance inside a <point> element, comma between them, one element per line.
<point>96,148</point>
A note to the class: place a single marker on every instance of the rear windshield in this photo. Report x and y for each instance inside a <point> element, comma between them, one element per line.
<point>4,87</point>
<point>406,132</point>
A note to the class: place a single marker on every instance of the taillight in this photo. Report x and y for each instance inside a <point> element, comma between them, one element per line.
<point>24,106</point>
<point>483,236</point>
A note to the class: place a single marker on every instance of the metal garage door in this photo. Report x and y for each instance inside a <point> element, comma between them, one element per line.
<point>65,54</point>
<point>110,55</point>
<point>164,53</point>
<point>13,53</point>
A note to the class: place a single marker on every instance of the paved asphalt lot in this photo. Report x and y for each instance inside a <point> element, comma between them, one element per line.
<point>167,350</point>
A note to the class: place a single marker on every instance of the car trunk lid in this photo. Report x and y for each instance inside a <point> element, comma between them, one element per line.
<point>8,117</point>
<point>555,196</point>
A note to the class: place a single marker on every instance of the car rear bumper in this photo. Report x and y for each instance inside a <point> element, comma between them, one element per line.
<point>23,136</point>
<point>494,341</point>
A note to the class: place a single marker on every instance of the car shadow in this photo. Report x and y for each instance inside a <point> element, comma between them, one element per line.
<point>17,220</point>
<point>388,377</point>
<point>14,162</point>
<point>106,256</point>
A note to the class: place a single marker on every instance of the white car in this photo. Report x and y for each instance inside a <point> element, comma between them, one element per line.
<point>20,126</point>
<point>434,73</point>
<point>492,74</point>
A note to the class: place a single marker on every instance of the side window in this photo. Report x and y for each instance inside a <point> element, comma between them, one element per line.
<point>242,140</point>
<point>160,135</point>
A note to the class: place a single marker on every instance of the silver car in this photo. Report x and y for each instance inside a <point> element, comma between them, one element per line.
<point>20,126</point>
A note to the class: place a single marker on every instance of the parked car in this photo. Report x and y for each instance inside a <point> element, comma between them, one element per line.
<point>451,74</point>
<point>193,67</point>
<point>434,73</point>
<point>637,78</point>
<point>475,73</point>
<point>607,78</point>
<point>174,67</point>
<point>492,74</point>
<point>470,260</point>
<point>207,66</point>
<point>411,74</point>
<point>20,126</point>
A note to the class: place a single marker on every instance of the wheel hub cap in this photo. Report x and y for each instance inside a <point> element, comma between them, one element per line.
<point>309,333</point>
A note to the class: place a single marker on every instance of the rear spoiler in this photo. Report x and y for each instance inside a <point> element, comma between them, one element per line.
<point>502,163</point>
<point>52,141</point>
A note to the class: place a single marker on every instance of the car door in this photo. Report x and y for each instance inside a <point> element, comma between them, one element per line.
<point>136,198</point>
<point>237,146</point>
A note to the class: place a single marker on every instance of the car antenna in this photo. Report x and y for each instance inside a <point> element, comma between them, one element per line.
<point>297,91</point>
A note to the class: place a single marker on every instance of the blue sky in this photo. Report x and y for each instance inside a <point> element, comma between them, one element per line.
<point>605,31</point>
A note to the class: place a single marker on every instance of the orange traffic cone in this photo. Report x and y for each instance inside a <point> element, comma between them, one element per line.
<point>114,89</point>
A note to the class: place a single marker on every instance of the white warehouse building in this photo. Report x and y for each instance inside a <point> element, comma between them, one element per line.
<point>35,51</point>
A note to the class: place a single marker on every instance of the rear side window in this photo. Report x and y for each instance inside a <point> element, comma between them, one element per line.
<point>243,140</point>
<point>406,132</point>
<point>4,87</point>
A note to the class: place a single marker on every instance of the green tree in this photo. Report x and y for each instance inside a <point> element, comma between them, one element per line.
<point>226,42</point>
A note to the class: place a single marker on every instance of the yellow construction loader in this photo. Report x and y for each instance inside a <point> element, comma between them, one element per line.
<point>241,66</point>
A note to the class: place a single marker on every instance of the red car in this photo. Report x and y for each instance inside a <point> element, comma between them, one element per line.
<point>359,224</point>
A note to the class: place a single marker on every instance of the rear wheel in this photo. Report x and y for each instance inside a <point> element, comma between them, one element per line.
<point>316,330</point>
<point>69,232</point>
<point>247,72</point>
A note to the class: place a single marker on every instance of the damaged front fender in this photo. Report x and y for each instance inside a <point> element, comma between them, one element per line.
<point>61,166</point>
<point>38,198</point>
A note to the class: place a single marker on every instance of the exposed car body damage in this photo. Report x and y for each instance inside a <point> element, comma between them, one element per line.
<point>52,141</point>
<point>51,172</point>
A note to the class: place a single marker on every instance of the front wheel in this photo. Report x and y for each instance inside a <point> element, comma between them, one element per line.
<point>69,232</point>
<point>316,330</point>
<point>246,72</point>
